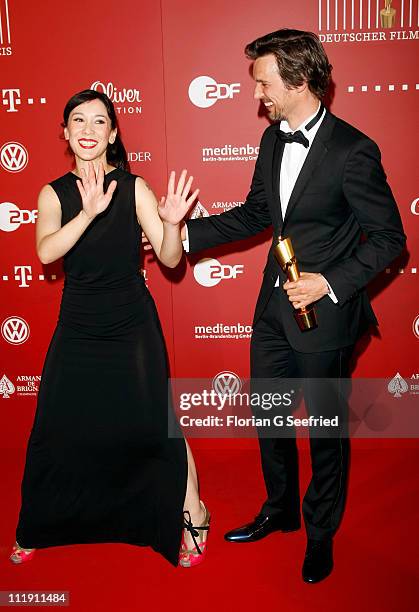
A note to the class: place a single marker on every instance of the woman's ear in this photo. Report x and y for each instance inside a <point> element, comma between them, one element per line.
<point>112,136</point>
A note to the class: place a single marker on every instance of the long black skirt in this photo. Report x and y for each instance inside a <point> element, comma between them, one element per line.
<point>100,466</point>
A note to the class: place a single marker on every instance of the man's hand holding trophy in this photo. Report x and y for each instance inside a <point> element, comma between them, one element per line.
<point>284,253</point>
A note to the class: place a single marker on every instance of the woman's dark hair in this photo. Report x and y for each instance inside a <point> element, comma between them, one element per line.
<point>300,57</point>
<point>116,154</point>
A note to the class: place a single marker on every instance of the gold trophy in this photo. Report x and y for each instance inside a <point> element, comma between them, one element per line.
<point>284,253</point>
<point>387,15</point>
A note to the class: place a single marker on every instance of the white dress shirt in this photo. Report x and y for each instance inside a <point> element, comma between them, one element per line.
<point>293,159</point>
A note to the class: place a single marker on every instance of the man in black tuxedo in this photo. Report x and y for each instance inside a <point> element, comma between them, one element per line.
<point>319,181</point>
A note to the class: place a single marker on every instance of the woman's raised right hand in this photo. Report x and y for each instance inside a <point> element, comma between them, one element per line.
<point>93,197</point>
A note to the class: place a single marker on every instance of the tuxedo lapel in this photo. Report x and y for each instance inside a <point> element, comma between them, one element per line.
<point>278,152</point>
<point>315,156</point>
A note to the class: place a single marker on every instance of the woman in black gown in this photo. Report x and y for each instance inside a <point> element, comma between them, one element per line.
<point>100,466</point>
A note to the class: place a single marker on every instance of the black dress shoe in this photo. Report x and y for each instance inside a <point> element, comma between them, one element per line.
<point>318,562</point>
<point>260,528</point>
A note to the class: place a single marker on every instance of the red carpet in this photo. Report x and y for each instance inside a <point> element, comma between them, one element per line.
<point>376,549</point>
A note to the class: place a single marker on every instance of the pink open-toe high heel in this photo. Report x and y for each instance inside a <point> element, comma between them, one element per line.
<point>21,555</point>
<point>195,555</point>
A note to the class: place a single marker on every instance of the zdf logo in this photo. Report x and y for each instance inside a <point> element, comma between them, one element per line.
<point>209,272</point>
<point>11,217</point>
<point>204,91</point>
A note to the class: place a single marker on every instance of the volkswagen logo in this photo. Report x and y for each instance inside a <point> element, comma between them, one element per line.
<point>13,157</point>
<point>15,330</point>
<point>226,383</point>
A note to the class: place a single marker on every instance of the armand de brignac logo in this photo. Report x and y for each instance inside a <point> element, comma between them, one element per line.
<point>7,388</point>
<point>199,211</point>
<point>397,386</point>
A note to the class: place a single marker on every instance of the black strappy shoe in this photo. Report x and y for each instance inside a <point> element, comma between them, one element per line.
<point>199,533</point>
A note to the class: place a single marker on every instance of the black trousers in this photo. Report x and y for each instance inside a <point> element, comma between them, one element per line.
<point>273,358</point>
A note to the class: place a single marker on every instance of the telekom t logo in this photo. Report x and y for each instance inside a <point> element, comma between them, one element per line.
<point>12,99</point>
<point>23,274</point>
<point>204,91</point>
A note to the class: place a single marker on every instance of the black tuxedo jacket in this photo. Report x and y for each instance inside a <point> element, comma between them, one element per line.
<point>341,217</point>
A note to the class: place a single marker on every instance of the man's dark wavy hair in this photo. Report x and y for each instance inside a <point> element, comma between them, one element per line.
<point>300,57</point>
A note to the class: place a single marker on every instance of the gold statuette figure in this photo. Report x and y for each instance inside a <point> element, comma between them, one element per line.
<point>388,15</point>
<point>284,253</point>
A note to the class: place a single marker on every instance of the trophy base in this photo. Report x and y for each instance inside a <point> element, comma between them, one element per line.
<point>306,319</point>
<point>387,18</point>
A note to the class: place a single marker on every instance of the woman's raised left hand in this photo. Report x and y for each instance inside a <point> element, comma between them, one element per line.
<point>176,204</point>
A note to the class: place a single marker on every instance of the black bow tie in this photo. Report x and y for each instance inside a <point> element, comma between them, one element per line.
<point>297,136</point>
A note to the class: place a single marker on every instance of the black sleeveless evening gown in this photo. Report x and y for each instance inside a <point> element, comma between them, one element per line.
<point>100,466</point>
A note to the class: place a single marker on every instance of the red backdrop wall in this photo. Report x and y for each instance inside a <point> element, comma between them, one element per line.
<point>149,56</point>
